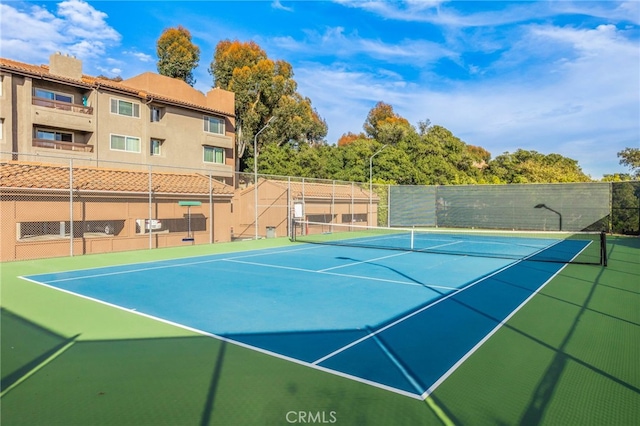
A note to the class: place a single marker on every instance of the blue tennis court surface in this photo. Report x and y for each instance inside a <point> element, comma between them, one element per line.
<point>398,320</point>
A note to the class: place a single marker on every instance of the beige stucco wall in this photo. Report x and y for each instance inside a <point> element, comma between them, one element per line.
<point>124,210</point>
<point>5,112</point>
<point>181,127</point>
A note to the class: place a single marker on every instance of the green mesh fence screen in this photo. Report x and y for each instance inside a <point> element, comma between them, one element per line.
<point>540,207</point>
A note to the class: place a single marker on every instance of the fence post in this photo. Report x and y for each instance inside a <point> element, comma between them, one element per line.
<point>71,207</point>
<point>388,205</point>
<point>333,204</point>
<point>150,211</point>
<point>352,203</point>
<point>210,211</point>
<point>289,207</point>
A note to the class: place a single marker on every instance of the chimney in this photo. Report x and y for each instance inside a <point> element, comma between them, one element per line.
<point>65,66</point>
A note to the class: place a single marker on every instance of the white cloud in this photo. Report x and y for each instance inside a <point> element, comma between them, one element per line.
<point>335,42</point>
<point>76,27</point>
<point>277,4</point>
<point>584,106</point>
<point>142,57</point>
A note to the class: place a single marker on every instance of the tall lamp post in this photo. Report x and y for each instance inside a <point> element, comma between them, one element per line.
<point>255,170</point>
<point>371,180</point>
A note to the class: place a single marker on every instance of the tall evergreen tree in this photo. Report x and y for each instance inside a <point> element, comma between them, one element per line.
<point>177,55</point>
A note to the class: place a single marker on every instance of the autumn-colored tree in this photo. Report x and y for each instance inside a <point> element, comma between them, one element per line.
<point>263,89</point>
<point>232,55</point>
<point>382,121</point>
<point>177,55</point>
<point>350,137</point>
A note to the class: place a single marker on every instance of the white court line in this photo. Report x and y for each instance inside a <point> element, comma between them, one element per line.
<point>291,268</point>
<point>363,261</point>
<point>406,317</point>
<point>304,363</point>
<point>151,268</point>
<point>458,363</point>
<point>233,342</point>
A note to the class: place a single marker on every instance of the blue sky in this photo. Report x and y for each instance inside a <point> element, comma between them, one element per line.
<point>555,77</point>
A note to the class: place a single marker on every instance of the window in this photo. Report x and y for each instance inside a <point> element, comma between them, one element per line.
<point>213,155</point>
<point>125,143</point>
<point>213,125</point>
<point>1,128</point>
<point>156,114</point>
<point>155,146</point>
<point>127,108</point>
<point>354,217</point>
<point>53,96</point>
<point>52,135</point>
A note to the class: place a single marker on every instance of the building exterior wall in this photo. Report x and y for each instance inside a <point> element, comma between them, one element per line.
<point>88,118</point>
<point>25,214</point>
<point>6,122</point>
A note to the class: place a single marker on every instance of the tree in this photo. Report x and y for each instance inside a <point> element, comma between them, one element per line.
<point>382,121</point>
<point>630,157</point>
<point>525,166</point>
<point>177,55</point>
<point>263,89</point>
<point>350,137</point>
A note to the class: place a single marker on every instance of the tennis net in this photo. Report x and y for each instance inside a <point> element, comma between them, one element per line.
<point>561,247</point>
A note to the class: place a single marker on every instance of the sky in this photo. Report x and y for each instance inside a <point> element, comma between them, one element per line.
<point>555,77</point>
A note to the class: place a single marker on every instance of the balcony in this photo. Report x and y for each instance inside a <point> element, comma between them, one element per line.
<point>64,115</point>
<point>64,146</point>
<point>65,106</point>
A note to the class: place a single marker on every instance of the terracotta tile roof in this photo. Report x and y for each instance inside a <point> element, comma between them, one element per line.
<point>338,191</point>
<point>26,175</point>
<point>90,81</point>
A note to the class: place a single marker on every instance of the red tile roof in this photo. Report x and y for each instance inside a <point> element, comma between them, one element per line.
<point>27,175</point>
<point>90,81</point>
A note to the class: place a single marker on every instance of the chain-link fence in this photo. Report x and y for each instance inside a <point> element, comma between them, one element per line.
<point>70,206</point>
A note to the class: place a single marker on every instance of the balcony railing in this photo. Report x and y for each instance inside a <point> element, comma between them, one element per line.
<point>65,106</point>
<point>65,146</point>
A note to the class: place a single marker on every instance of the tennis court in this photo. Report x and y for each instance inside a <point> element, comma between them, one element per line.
<point>398,320</point>
<point>357,335</point>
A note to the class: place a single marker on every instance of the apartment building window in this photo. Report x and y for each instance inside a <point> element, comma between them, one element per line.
<point>155,146</point>
<point>213,154</point>
<point>125,143</point>
<point>120,107</point>
<point>213,125</point>
<point>1,83</point>
<point>1,128</point>
<point>156,114</point>
<point>53,135</point>
<point>53,96</point>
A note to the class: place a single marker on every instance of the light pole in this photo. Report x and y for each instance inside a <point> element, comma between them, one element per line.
<point>255,170</point>
<point>371,181</point>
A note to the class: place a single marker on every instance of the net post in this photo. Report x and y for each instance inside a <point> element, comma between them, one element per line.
<point>603,248</point>
<point>412,238</point>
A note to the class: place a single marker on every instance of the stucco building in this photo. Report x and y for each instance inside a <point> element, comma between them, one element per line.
<point>149,119</point>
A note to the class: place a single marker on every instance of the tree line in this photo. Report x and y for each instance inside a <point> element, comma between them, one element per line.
<point>292,134</point>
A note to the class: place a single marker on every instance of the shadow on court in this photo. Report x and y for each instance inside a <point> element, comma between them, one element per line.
<point>195,380</point>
